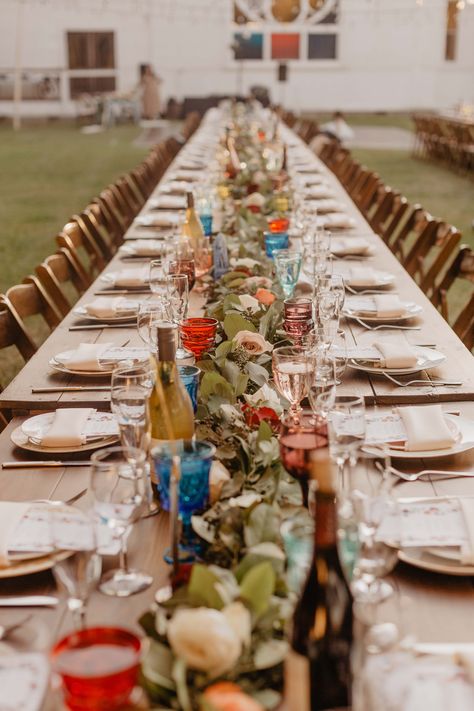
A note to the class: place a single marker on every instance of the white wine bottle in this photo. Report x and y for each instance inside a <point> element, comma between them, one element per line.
<point>171,409</point>
<point>192,227</point>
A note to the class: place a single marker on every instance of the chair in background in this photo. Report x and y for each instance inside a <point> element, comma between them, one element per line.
<point>62,281</point>
<point>435,258</point>
<point>31,299</point>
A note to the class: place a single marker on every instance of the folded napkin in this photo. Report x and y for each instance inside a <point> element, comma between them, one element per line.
<point>467,550</point>
<point>145,248</point>
<point>361,276</point>
<point>86,356</point>
<point>317,192</point>
<point>131,277</point>
<point>426,428</point>
<point>67,427</point>
<point>163,219</point>
<point>104,307</point>
<point>167,202</point>
<point>326,206</point>
<point>396,354</point>
<point>388,305</point>
<point>11,513</point>
<point>351,246</point>
<point>338,221</point>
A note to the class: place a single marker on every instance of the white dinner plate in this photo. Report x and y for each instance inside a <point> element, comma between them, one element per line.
<point>423,558</point>
<point>125,318</point>
<point>59,362</point>
<point>38,425</point>
<point>461,427</point>
<point>411,310</point>
<point>381,279</point>
<point>33,565</point>
<point>111,277</point>
<point>426,358</point>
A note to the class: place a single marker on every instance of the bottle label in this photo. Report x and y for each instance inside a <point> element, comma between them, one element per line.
<point>297,682</point>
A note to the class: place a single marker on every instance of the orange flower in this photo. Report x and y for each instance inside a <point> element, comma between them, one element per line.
<point>265,297</point>
<point>226,696</point>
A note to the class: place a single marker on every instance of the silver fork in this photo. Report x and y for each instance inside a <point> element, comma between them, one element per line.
<point>405,476</point>
<point>365,291</point>
<point>385,325</point>
<point>431,383</point>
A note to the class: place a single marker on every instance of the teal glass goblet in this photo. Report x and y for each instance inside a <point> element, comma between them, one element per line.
<point>287,267</point>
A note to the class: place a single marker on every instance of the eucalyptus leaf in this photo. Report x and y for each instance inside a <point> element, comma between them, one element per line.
<point>257,587</point>
<point>179,676</point>
<point>260,553</point>
<point>262,525</point>
<point>257,373</point>
<point>157,665</point>
<point>233,323</point>
<point>202,586</point>
<point>264,432</point>
<point>270,653</point>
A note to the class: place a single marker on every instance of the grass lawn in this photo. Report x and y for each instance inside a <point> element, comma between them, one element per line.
<point>48,173</point>
<point>401,120</point>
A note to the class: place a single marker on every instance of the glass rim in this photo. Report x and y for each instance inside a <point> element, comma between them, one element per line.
<point>204,320</point>
<point>297,350</point>
<point>211,449</point>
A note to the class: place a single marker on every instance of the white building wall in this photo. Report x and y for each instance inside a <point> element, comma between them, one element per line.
<point>391,52</point>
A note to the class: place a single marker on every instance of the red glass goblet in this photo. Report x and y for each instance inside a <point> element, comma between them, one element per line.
<point>298,307</point>
<point>184,266</point>
<point>98,666</point>
<point>298,440</point>
<point>198,335</point>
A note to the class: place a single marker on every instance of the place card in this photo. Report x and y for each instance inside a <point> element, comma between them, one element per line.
<point>23,681</point>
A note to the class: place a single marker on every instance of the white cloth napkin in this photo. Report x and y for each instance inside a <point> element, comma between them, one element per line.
<point>426,428</point>
<point>318,192</point>
<point>327,206</point>
<point>67,426</point>
<point>11,513</point>
<point>131,277</point>
<point>388,305</point>
<point>467,551</point>
<point>144,247</point>
<point>86,356</point>
<point>350,246</point>
<point>338,221</point>
<point>167,202</point>
<point>104,307</point>
<point>361,276</point>
<point>163,219</point>
<point>396,354</point>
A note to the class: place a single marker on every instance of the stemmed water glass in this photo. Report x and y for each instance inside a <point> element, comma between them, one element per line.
<point>119,488</point>
<point>291,365</point>
<point>178,299</point>
<point>322,383</point>
<point>338,352</point>
<point>287,268</point>
<point>158,276</point>
<point>149,313</point>
<point>130,392</point>
<point>79,573</point>
<point>346,422</point>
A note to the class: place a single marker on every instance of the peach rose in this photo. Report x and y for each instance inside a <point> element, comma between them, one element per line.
<point>265,297</point>
<point>226,696</point>
<point>254,343</point>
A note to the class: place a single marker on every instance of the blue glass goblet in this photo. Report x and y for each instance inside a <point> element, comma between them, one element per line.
<point>195,460</point>
<point>274,241</point>
<point>189,375</point>
<point>287,268</point>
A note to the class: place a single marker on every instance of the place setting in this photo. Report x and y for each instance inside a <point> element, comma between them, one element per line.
<point>142,249</point>
<point>364,279</point>
<point>158,221</point>
<point>371,310</point>
<point>96,359</point>
<point>393,357</point>
<point>132,279</point>
<point>351,248</point>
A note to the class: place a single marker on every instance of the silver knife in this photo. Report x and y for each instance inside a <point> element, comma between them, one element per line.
<point>46,464</point>
<point>71,389</point>
<point>100,326</point>
<point>119,292</point>
<point>29,601</point>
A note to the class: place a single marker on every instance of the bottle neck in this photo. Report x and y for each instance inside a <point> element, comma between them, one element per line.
<point>190,201</point>
<point>325,531</point>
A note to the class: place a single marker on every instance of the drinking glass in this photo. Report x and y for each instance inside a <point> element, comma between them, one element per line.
<point>275,241</point>
<point>79,573</point>
<point>158,277</point>
<point>291,365</point>
<point>315,263</point>
<point>346,422</point>
<point>322,383</point>
<point>287,268</point>
<point>183,265</point>
<point>149,312</point>
<point>189,375</point>
<point>298,440</point>
<point>130,392</point>
<point>327,305</point>
<point>198,334</point>
<point>338,352</point>
<point>193,491</point>
<point>178,298</point>
<point>338,287</point>
<point>297,533</point>
<point>119,488</point>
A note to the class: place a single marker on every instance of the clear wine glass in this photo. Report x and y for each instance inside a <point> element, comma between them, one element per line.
<point>178,298</point>
<point>79,573</point>
<point>158,276</point>
<point>327,305</point>
<point>149,312</point>
<point>119,487</point>
<point>287,268</point>
<point>322,383</point>
<point>291,365</point>
<point>338,352</point>
<point>346,423</point>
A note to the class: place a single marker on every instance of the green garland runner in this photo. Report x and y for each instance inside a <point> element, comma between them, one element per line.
<point>227,622</point>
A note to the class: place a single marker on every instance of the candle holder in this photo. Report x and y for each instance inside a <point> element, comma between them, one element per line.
<point>275,241</point>
<point>184,266</point>
<point>198,335</point>
<point>298,308</point>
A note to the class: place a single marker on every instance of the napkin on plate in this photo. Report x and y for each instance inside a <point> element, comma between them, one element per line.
<point>318,192</point>
<point>164,219</point>
<point>67,427</point>
<point>144,248</point>
<point>350,246</point>
<point>396,354</point>
<point>388,305</point>
<point>167,202</point>
<point>361,276</point>
<point>11,513</point>
<point>86,356</point>
<point>131,277</point>
<point>338,221</point>
<point>426,428</point>
<point>105,307</point>
<point>327,206</point>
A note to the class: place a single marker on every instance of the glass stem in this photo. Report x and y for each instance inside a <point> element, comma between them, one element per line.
<point>123,558</point>
<point>78,610</point>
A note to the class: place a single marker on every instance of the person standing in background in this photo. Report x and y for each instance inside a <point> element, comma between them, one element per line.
<point>150,92</point>
<point>337,128</point>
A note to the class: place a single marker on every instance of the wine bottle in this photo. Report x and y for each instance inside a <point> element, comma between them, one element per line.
<point>171,409</point>
<point>318,669</point>
<point>192,227</point>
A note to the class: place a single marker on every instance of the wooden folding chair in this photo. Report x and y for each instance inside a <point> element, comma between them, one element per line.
<point>432,264</point>
<point>418,240</point>
<point>78,239</point>
<point>464,324</point>
<point>12,332</point>
<point>58,273</point>
<point>31,299</point>
<point>103,229</point>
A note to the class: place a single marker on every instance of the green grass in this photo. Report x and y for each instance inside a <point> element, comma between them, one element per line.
<point>48,173</point>
<point>401,120</point>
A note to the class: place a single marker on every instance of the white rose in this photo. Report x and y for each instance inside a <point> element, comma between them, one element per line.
<point>205,639</point>
<point>250,303</point>
<point>244,262</point>
<point>256,199</point>
<point>239,619</point>
<point>263,394</point>
<point>218,475</point>
<point>254,343</point>
<point>257,281</point>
